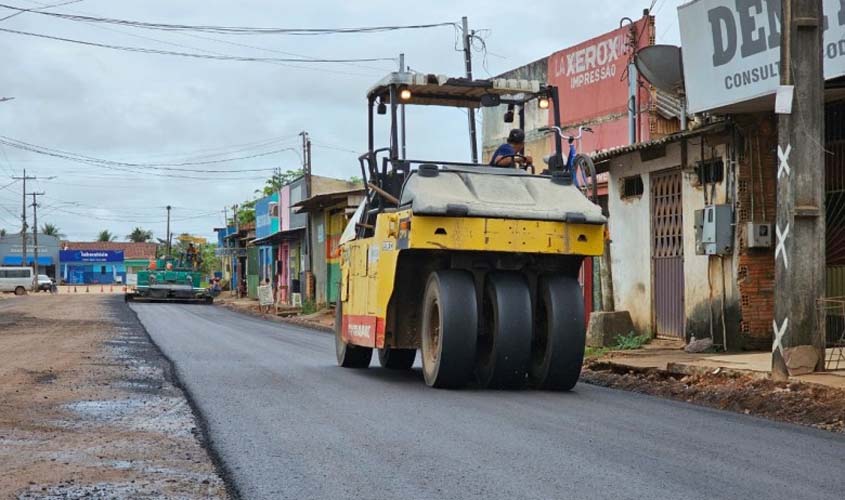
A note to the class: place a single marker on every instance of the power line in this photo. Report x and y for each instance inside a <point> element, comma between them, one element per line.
<point>175,44</point>
<point>146,50</point>
<point>234,30</point>
<point>120,165</point>
<point>23,11</point>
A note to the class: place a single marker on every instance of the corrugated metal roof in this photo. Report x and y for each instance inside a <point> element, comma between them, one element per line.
<point>609,154</point>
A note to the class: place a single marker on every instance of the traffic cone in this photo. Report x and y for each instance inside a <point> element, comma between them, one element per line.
<point>74,288</point>
<point>86,289</point>
<point>111,288</point>
<point>101,288</point>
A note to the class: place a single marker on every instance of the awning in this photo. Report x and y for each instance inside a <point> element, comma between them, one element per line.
<point>14,260</point>
<point>290,234</point>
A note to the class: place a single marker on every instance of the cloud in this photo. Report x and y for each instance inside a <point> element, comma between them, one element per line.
<point>142,107</point>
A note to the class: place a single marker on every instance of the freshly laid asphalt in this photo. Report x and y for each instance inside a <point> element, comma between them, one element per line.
<point>286,422</point>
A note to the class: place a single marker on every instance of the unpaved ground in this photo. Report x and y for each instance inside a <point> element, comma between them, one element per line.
<point>794,402</point>
<point>88,408</point>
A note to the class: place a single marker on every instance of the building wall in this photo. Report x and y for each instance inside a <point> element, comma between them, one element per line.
<point>318,243</point>
<point>630,233</point>
<point>756,267</point>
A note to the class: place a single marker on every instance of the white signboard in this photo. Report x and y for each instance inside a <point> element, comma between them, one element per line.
<point>265,295</point>
<point>732,49</point>
<point>131,279</point>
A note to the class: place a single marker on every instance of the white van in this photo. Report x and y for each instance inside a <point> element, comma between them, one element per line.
<point>17,279</point>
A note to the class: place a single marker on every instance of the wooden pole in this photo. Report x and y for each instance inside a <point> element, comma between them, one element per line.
<point>800,227</point>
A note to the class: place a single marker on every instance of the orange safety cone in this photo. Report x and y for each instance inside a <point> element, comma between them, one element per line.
<point>111,289</point>
<point>101,288</point>
<point>74,288</point>
<point>86,289</point>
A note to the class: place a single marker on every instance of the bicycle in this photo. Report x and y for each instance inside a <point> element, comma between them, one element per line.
<point>582,170</point>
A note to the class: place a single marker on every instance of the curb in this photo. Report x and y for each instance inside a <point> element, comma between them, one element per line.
<point>278,319</point>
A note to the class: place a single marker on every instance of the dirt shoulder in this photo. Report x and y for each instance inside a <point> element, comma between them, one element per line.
<point>88,406</point>
<point>794,402</point>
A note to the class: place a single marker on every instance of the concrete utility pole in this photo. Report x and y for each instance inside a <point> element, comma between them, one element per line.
<point>306,167</point>
<point>467,36</point>
<point>35,230</point>
<point>800,228</point>
<point>168,231</point>
<point>24,178</point>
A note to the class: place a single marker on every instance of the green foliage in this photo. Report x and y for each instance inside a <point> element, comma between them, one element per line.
<point>246,212</point>
<point>51,230</point>
<point>308,307</point>
<point>106,235</point>
<point>2,232</point>
<point>356,180</point>
<point>632,341</point>
<point>595,352</point>
<point>278,180</point>
<point>139,235</point>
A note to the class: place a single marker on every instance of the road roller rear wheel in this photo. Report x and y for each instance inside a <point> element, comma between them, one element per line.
<point>348,355</point>
<point>504,342</point>
<point>449,329</point>
<point>557,347</point>
<point>397,359</point>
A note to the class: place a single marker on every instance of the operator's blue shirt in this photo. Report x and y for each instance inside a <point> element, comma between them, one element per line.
<point>502,151</point>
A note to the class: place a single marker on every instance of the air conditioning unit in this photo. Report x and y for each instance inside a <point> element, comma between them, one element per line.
<point>758,235</point>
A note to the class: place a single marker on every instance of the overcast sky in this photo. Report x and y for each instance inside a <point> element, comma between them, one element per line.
<point>137,107</point>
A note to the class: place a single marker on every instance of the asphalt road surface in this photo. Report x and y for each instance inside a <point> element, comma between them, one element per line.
<point>288,423</point>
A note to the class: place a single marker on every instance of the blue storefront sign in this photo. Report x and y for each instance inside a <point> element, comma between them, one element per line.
<point>74,256</point>
<point>92,266</point>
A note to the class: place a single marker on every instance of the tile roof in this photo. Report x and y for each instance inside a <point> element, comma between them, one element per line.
<point>130,250</point>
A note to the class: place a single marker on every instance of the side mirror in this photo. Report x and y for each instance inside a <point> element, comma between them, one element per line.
<point>490,100</point>
<point>509,114</point>
<point>382,108</point>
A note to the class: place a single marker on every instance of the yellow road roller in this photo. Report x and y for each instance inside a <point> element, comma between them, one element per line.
<point>474,266</point>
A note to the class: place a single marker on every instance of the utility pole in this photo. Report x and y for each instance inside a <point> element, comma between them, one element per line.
<point>473,143</point>
<point>402,111</point>
<point>168,231</point>
<point>35,230</point>
<point>800,226</point>
<point>306,167</point>
<point>23,178</point>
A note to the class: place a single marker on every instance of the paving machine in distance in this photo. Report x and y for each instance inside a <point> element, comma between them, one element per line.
<point>171,280</point>
<point>474,266</point>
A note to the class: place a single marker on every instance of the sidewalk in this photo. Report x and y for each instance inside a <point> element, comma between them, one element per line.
<point>322,320</point>
<point>669,356</point>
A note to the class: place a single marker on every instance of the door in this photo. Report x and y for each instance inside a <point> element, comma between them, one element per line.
<point>667,253</point>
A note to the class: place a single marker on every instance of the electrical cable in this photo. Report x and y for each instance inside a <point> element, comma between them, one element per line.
<point>146,50</point>
<point>234,30</point>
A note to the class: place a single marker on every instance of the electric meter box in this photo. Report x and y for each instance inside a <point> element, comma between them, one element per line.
<point>699,231</point>
<point>717,230</point>
<point>758,235</point>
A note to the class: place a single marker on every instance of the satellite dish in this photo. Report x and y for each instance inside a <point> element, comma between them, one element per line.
<point>661,65</point>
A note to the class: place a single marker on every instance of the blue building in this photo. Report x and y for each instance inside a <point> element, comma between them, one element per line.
<point>80,267</point>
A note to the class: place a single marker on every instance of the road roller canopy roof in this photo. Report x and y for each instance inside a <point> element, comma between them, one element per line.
<point>483,192</point>
<point>441,90</point>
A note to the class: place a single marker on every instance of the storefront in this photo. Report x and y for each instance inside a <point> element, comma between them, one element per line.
<point>82,267</point>
<point>11,252</point>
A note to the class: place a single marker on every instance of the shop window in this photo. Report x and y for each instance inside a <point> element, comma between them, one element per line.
<point>632,187</point>
<point>710,172</point>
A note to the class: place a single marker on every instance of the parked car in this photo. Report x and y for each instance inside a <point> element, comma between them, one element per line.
<point>19,280</point>
<point>45,283</point>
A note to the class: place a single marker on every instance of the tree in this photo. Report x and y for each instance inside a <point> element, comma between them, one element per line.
<point>51,230</point>
<point>279,180</point>
<point>106,235</point>
<point>139,235</point>
<point>2,232</point>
